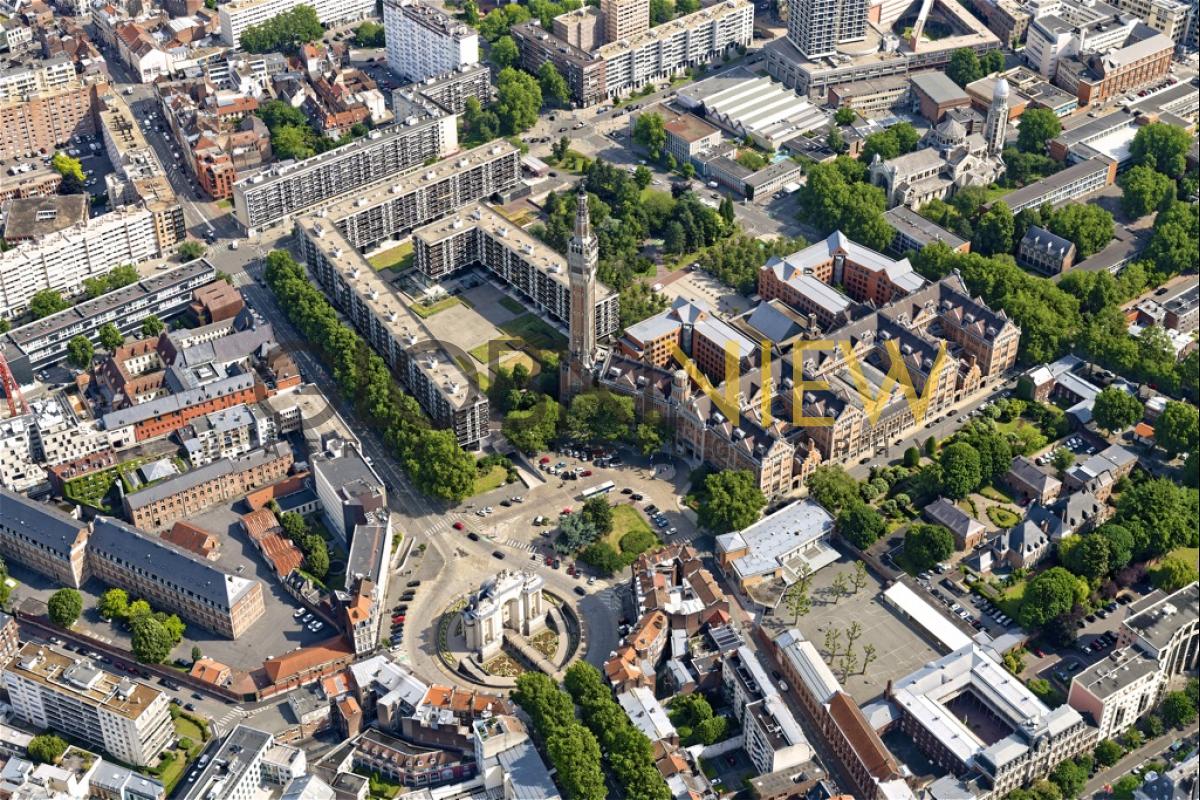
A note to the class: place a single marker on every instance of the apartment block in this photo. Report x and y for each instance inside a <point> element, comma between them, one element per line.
<point>1073,182</point>
<point>427,132</point>
<point>236,769</point>
<point>194,491</point>
<point>773,739</point>
<point>44,539</point>
<point>165,415</point>
<point>449,90</point>
<point>423,41</point>
<point>50,689</point>
<point>235,17</point>
<point>1097,76</point>
<point>30,123</point>
<point>367,575</point>
<point>582,28</point>
<point>624,19</point>
<point>817,27</point>
<point>28,78</point>
<point>583,70</point>
<point>164,295</point>
<point>537,274</point>
<point>395,332</point>
<point>173,580</point>
<point>63,259</point>
<point>666,50</point>
<point>394,208</point>
<point>348,488</point>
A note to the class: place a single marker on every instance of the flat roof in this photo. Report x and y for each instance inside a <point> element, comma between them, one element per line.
<point>1157,623</point>
<point>807,662</point>
<point>773,538</point>
<point>238,754</point>
<point>932,621</point>
<point>919,229</point>
<point>705,16</point>
<point>34,217</point>
<point>938,87</point>
<point>1051,183</point>
<point>69,674</point>
<point>1112,674</point>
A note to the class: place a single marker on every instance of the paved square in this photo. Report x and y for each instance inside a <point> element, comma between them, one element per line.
<point>899,649</point>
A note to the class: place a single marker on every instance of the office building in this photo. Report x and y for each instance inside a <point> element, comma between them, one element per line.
<point>1141,58</point>
<point>52,690</point>
<point>42,538</point>
<point>1168,17</point>
<point>348,488</point>
<point>817,27</point>
<point>423,41</point>
<point>624,19</point>
<point>913,232</point>
<point>165,294</point>
<point>1071,183</point>
<point>1166,629</point>
<point>194,491</point>
<point>423,367</point>
<point>62,260</point>
<point>238,15</point>
<point>173,580</point>
<point>425,132</point>
<point>236,769</point>
<point>971,717</point>
<point>395,208</point>
<point>477,235</point>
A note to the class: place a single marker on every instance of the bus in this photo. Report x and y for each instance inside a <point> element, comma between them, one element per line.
<point>603,488</point>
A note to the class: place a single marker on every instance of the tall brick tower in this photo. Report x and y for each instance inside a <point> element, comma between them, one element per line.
<point>582,254</point>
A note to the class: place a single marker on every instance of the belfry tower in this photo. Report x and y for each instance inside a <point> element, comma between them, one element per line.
<point>582,255</point>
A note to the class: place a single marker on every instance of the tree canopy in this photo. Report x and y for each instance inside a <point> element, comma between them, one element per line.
<point>46,748</point>
<point>283,32</point>
<point>925,546</point>
<point>1115,409</point>
<point>830,200</point>
<point>1143,191</point>
<point>1163,147</point>
<point>1051,594</point>
<point>1036,127</point>
<point>648,131</point>
<point>80,351</point>
<point>518,100</point>
<point>64,607</point>
<point>732,500</point>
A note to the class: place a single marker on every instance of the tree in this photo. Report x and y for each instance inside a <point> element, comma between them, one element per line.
<point>66,166</point>
<point>1173,573</point>
<point>661,11</point>
<point>600,416</point>
<point>839,587</point>
<point>994,233</point>
<point>1069,777</point>
<point>859,578</point>
<point>372,34</point>
<point>1108,753</point>
<point>1143,191</point>
<point>504,53</point>
<point>860,524</point>
<point>1062,459</point>
<point>47,748</point>
<point>518,100</point>
<point>1086,556</point>
<point>1163,147</point>
<point>832,487</point>
<point>1120,544</point>
<point>555,90</point>
<point>64,607</point>
<point>925,546</point>
<point>151,642</point>
<point>599,513</point>
<point>961,472</point>
<point>1125,786</point>
<point>1115,409</point>
<point>80,351</point>
<point>912,457</point>
<point>964,66</point>
<point>1036,127</point>
<point>1178,428</point>
<point>285,31</point>
<point>648,131</point>
<point>45,303</point>
<point>1090,227</point>
<point>532,430</point>
<point>1048,595</point>
<point>110,337</point>
<point>844,115</point>
<point>732,501</point>
<point>1178,710</point>
<point>439,467</point>
<point>114,604</point>
<point>642,176</point>
<point>835,141</point>
<point>603,557</point>
<point>797,601</point>
<point>191,249</point>
<point>152,326</point>
<point>831,201</point>
<point>479,125</point>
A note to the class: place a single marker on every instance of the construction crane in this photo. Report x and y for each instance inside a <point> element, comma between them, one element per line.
<point>12,389</point>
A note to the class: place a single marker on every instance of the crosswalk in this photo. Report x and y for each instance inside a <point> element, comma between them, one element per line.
<point>513,543</point>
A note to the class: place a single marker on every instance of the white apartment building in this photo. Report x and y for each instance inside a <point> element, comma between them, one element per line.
<point>18,83</point>
<point>63,259</point>
<point>773,738</point>
<point>236,770</point>
<point>667,49</point>
<point>817,27</point>
<point>1060,30</point>
<point>423,42</point>
<point>18,471</point>
<point>50,689</point>
<point>227,433</point>
<point>235,17</point>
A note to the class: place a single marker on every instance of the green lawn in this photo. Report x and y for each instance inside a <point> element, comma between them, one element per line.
<point>626,520</point>
<point>90,490</point>
<point>994,193</point>
<point>1190,555</point>
<point>512,305</point>
<point>186,728</point>
<point>398,257</point>
<point>999,495</point>
<point>1002,517</point>
<point>224,203</point>
<point>1010,603</point>
<point>492,479</point>
<point>535,335</point>
<point>426,311</point>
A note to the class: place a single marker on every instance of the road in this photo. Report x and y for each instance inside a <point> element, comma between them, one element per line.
<point>1149,751</point>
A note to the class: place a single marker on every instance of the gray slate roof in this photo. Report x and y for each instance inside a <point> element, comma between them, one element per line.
<point>52,529</point>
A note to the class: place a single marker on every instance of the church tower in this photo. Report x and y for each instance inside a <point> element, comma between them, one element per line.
<point>997,118</point>
<point>582,254</point>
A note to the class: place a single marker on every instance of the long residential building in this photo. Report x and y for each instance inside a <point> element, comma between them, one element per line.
<point>478,235</point>
<point>165,415</point>
<point>428,132</point>
<point>425,369</point>
<point>46,118</point>
<point>164,295</point>
<point>1067,184</point>
<point>396,207</point>
<point>194,491</point>
<point>235,17</point>
<point>88,249</point>
<point>423,41</point>
<point>173,580</point>
<point>53,690</point>
<point>42,538</point>
<point>622,66</point>
<point>236,771</point>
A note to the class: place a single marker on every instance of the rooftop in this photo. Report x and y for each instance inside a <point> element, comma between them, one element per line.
<point>777,538</point>
<point>239,753</point>
<point>919,229</point>
<point>209,472</point>
<point>52,529</point>
<point>35,217</point>
<point>80,678</point>
<point>1157,621</point>
<point>1113,674</point>
<point>938,87</point>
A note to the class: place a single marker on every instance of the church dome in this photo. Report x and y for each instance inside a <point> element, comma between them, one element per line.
<point>1001,90</point>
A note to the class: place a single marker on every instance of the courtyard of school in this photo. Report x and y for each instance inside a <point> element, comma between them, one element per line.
<point>885,642</point>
